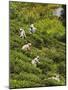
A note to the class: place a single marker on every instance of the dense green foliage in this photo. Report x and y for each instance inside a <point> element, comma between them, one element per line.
<point>48,42</point>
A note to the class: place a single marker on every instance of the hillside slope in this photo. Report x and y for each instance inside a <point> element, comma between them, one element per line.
<point>48,42</point>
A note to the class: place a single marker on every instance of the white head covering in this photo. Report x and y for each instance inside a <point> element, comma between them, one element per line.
<point>32,25</point>
<point>21,29</point>
<point>37,56</point>
<point>29,44</point>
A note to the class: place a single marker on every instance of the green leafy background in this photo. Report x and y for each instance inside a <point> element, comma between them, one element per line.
<point>48,42</point>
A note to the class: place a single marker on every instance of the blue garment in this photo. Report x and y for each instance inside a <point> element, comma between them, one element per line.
<point>32,30</point>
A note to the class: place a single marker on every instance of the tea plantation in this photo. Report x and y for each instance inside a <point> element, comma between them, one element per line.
<point>48,42</point>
